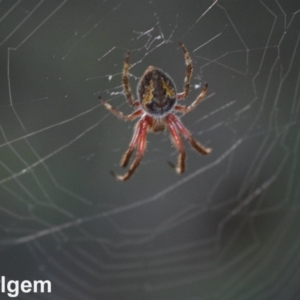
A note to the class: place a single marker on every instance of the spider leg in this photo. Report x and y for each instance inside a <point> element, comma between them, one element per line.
<point>141,146</point>
<point>132,146</point>
<point>178,144</point>
<point>125,80</point>
<point>180,96</point>
<point>185,109</point>
<point>119,114</point>
<point>196,145</point>
<point>189,70</point>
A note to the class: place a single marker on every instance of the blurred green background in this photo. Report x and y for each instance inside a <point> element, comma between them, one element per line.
<point>225,229</point>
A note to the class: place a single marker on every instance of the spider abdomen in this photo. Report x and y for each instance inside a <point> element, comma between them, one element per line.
<point>157,92</point>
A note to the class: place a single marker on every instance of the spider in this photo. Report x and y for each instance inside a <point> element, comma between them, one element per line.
<point>156,104</point>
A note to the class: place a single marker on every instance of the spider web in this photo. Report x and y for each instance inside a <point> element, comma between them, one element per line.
<point>225,229</point>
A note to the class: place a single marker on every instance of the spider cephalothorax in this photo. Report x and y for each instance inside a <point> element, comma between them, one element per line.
<point>157,102</point>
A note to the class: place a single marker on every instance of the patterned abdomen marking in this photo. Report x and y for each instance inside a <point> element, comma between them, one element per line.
<point>157,92</point>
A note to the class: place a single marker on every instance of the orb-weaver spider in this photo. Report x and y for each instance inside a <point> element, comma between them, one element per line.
<point>156,104</point>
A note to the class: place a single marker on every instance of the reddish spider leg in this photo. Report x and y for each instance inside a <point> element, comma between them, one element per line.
<point>184,109</point>
<point>119,114</point>
<point>178,144</point>
<point>172,119</point>
<point>189,71</point>
<point>139,141</point>
<point>132,146</point>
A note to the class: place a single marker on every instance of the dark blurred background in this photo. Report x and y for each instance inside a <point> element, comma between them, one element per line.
<point>225,229</point>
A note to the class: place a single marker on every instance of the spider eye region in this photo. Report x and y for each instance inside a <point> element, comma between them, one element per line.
<point>157,92</point>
